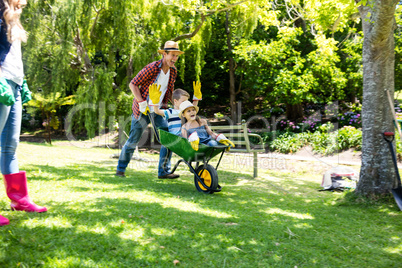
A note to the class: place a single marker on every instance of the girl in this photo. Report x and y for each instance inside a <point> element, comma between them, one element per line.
<point>197,129</point>
<point>13,85</point>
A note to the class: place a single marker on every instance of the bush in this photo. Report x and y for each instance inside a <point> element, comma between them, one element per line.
<point>351,117</point>
<point>289,142</point>
<point>349,137</point>
<point>325,141</point>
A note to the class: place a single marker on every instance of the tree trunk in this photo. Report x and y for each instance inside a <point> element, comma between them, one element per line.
<point>130,71</point>
<point>377,174</point>
<point>232,89</point>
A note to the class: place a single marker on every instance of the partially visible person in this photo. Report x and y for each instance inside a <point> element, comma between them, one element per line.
<point>164,73</point>
<point>196,130</point>
<point>14,92</point>
<point>172,114</point>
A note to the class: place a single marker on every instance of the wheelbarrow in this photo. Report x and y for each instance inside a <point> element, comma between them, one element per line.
<point>205,175</point>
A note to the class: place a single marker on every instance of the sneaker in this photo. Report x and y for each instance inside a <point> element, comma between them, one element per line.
<point>120,173</point>
<point>169,176</point>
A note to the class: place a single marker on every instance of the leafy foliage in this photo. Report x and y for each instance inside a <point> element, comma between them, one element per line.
<point>48,107</point>
<point>287,53</point>
<point>325,141</point>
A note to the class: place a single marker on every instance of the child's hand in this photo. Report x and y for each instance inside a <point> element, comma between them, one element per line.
<point>154,94</point>
<point>194,140</point>
<point>197,90</point>
<point>222,139</point>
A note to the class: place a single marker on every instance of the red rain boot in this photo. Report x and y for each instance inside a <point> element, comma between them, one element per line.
<point>17,191</point>
<point>3,221</point>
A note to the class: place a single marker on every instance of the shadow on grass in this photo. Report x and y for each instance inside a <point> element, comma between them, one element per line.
<point>108,221</point>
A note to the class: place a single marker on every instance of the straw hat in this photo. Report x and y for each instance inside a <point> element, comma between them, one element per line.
<point>186,104</point>
<point>170,46</point>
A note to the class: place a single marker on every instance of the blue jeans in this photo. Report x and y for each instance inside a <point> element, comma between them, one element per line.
<point>10,129</point>
<point>212,143</point>
<point>138,127</point>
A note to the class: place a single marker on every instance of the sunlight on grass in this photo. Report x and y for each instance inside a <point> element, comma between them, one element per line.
<point>49,222</point>
<point>134,233</point>
<point>274,211</point>
<point>396,250</point>
<point>279,219</point>
<point>178,204</point>
<point>303,225</point>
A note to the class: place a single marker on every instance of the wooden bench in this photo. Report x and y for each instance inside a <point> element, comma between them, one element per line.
<point>240,136</point>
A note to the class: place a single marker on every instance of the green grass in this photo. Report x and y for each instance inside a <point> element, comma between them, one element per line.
<point>277,220</point>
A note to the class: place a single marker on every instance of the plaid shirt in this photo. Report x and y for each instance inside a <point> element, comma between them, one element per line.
<point>146,77</point>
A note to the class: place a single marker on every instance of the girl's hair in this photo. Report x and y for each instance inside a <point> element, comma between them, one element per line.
<point>184,120</point>
<point>15,31</point>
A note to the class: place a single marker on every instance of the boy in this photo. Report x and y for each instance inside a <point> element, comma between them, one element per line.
<point>172,114</point>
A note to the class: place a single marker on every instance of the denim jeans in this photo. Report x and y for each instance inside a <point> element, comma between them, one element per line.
<point>138,127</point>
<point>212,143</point>
<point>10,129</point>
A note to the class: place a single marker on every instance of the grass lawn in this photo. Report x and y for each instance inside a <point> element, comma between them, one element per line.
<point>277,220</point>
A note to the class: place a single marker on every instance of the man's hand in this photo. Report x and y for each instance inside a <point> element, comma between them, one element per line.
<point>197,90</point>
<point>222,139</point>
<point>154,94</point>
<point>144,107</point>
<point>194,140</point>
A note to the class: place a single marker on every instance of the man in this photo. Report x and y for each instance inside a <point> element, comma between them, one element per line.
<point>163,73</point>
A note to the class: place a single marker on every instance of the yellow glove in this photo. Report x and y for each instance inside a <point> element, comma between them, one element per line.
<point>194,141</point>
<point>197,90</point>
<point>222,139</point>
<point>154,94</point>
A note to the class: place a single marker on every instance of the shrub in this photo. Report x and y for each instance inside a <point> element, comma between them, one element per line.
<point>349,137</point>
<point>289,142</point>
<point>351,117</point>
<point>325,141</point>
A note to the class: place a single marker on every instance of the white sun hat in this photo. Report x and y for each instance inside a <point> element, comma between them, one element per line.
<point>185,105</point>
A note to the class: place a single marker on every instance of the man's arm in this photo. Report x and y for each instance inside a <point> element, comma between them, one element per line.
<point>136,92</point>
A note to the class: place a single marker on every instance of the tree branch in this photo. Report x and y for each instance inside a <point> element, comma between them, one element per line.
<point>203,16</point>
<point>82,54</point>
<point>190,35</point>
<point>228,6</point>
<point>98,11</point>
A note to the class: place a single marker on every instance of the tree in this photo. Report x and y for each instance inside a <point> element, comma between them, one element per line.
<point>377,175</point>
<point>48,108</point>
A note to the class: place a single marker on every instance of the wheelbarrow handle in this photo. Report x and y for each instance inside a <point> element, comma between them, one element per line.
<point>388,136</point>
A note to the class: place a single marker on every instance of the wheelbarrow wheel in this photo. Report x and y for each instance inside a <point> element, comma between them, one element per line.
<point>209,176</point>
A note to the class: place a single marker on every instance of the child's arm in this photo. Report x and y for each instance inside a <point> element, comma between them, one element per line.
<point>184,133</point>
<point>193,138</point>
<point>218,137</point>
<point>209,131</point>
<point>158,111</point>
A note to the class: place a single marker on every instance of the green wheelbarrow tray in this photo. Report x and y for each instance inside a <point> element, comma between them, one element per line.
<point>182,148</point>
